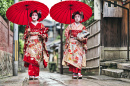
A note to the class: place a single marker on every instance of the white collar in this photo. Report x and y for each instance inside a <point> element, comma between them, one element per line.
<point>77,24</point>
<point>35,23</point>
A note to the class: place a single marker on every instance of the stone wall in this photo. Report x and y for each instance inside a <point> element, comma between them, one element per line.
<point>113,53</point>
<point>6,68</point>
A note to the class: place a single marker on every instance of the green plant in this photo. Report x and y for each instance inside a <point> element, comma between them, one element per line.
<point>21,45</point>
<point>91,4</point>
<point>4,5</point>
<point>21,28</point>
<point>11,26</point>
<point>58,37</point>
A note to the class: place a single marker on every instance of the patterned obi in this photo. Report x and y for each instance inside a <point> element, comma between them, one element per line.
<point>34,40</point>
<point>36,31</point>
<point>74,33</point>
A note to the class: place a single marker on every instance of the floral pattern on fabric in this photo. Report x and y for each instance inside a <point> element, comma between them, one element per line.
<point>33,53</point>
<point>74,53</point>
<point>35,49</point>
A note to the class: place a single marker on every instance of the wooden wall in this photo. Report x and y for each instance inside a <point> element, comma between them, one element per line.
<point>124,26</point>
<point>114,36</point>
<point>114,28</point>
<point>111,10</point>
<point>93,44</point>
<point>111,32</point>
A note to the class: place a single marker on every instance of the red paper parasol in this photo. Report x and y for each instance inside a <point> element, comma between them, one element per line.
<point>19,12</point>
<point>62,11</point>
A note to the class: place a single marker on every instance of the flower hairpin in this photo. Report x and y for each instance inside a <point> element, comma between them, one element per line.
<point>39,12</point>
<point>81,13</point>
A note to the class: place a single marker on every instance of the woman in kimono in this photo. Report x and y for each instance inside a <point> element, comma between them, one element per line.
<point>35,36</point>
<point>74,55</point>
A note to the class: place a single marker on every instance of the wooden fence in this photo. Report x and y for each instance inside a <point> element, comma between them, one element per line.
<point>93,44</point>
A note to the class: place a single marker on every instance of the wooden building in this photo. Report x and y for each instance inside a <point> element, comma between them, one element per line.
<point>108,39</point>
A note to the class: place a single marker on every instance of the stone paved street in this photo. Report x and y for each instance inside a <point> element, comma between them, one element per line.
<point>55,79</point>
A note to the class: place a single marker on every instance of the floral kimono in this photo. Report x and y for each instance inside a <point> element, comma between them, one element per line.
<point>35,49</point>
<point>74,54</point>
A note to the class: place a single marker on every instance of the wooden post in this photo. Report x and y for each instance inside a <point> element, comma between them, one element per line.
<point>61,49</point>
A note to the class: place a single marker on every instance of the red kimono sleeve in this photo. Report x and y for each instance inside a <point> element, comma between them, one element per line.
<point>45,63</point>
<point>44,32</point>
<point>25,38</point>
<point>46,38</point>
<point>25,32</point>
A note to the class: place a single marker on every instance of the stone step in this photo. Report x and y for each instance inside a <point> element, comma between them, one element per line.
<point>112,64</point>
<point>116,73</point>
<point>108,64</point>
<point>120,60</point>
<point>125,66</point>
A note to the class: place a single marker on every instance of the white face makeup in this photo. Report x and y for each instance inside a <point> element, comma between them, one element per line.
<point>34,17</point>
<point>77,18</point>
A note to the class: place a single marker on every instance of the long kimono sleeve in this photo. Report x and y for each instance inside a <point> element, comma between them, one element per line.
<point>25,38</point>
<point>45,52</point>
<point>44,32</point>
<point>25,33</point>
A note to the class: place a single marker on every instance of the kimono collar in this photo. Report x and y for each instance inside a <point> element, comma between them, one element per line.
<point>75,27</point>
<point>35,24</point>
<point>77,24</point>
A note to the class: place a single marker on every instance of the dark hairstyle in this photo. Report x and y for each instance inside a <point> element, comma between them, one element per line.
<point>35,11</point>
<point>77,12</point>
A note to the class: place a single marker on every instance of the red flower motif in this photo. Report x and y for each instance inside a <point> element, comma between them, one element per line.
<point>69,50</point>
<point>71,53</point>
<point>36,40</point>
<point>75,50</point>
<point>31,45</point>
<point>76,58</point>
<point>73,43</point>
<point>38,57</point>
